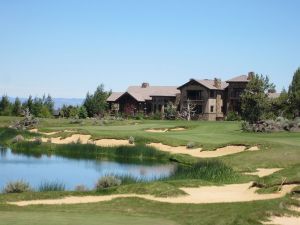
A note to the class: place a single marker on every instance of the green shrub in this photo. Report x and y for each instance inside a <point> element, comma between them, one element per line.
<point>51,186</point>
<point>233,116</point>
<point>107,182</point>
<point>17,187</point>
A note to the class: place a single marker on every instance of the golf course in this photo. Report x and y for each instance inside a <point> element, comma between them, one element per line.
<point>216,173</point>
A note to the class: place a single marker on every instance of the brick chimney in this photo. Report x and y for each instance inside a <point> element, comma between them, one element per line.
<point>250,75</point>
<point>218,83</point>
<point>145,85</point>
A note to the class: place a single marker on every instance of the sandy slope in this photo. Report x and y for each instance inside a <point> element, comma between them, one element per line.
<point>262,172</point>
<point>206,194</point>
<point>198,151</point>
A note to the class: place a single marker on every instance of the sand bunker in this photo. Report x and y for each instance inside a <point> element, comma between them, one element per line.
<point>165,130</point>
<point>86,139</point>
<point>157,130</point>
<point>207,194</point>
<point>112,143</point>
<point>177,129</point>
<point>284,220</point>
<point>176,150</point>
<point>198,151</point>
<point>45,133</point>
<point>262,172</point>
<point>75,138</point>
<point>254,148</point>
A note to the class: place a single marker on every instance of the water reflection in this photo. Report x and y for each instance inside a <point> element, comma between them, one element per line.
<point>74,171</point>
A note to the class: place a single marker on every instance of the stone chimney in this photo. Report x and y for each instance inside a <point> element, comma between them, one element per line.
<point>145,85</point>
<point>250,75</point>
<point>218,83</point>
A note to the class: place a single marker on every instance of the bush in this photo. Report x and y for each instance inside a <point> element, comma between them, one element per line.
<point>51,186</point>
<point>107,182</point>
<point>17,187</point>
<point>190,145</point>
<point>18,138</point>
<point>233,116</point>
<point>131,140</point>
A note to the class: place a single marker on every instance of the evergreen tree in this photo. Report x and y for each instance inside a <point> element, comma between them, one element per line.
<point>49,103</point>
<point>82,113</point>
<point>294,93</point>
<point>255,102</point>
<point>17,107</point>
<point>96,104</point>
<point>5,106</point>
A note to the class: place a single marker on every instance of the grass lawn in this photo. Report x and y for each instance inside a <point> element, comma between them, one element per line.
<point>278,150</point>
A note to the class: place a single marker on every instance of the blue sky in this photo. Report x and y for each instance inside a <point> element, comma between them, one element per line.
<point>67,48</point>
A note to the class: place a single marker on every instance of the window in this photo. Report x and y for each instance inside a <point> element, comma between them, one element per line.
<point>236,92</point>
<point>211,108</point>
<point>212,94</point>
<point>194,95</point>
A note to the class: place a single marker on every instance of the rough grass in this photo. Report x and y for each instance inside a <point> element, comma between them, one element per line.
<point>51,186</point>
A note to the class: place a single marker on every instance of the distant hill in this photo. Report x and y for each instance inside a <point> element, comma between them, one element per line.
<point>58,102</point>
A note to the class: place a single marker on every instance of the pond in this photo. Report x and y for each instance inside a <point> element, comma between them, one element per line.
<point>73,172</point>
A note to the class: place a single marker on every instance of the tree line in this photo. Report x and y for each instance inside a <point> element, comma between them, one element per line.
<point>257,105</point>
<point>39,107</point>
<point>94,105</point>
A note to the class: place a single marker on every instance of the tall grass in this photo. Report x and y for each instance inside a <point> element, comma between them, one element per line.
<point>51,186</point>
<point>90,151</point>
<point>209,170</point>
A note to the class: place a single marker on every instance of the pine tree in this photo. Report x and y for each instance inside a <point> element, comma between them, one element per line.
<point>5,106</point>
<point>294,93</point>
<point>17,107</point>
<point>255,102</point>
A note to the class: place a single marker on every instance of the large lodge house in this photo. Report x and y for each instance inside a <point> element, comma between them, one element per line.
<point>210,99</point>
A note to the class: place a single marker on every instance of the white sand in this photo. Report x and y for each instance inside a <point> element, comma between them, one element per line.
<point>198,151</point>
<point>262,172</point>
<point>45,133</point>
<point>86,139</point>
<point>112,143</point>
<point>284,220</point>
<point>83,139</point>
<point>206,194</point>
<point>254,148</point>
<point>176,150</point>
<point>156,130</point>
<point>177,129</point>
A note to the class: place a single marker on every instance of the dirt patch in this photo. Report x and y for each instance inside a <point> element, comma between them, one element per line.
<point>112,143</point>
<point>284,220</point>
<point>207,194</point>
<point>262,172</point>
<point>156,130</point>
<point>198,151</point>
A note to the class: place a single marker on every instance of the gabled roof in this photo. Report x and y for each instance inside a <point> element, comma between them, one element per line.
<point>114,96</point>
<point>207,83</point>
<point>142,94</point>
<point>242,78</point>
